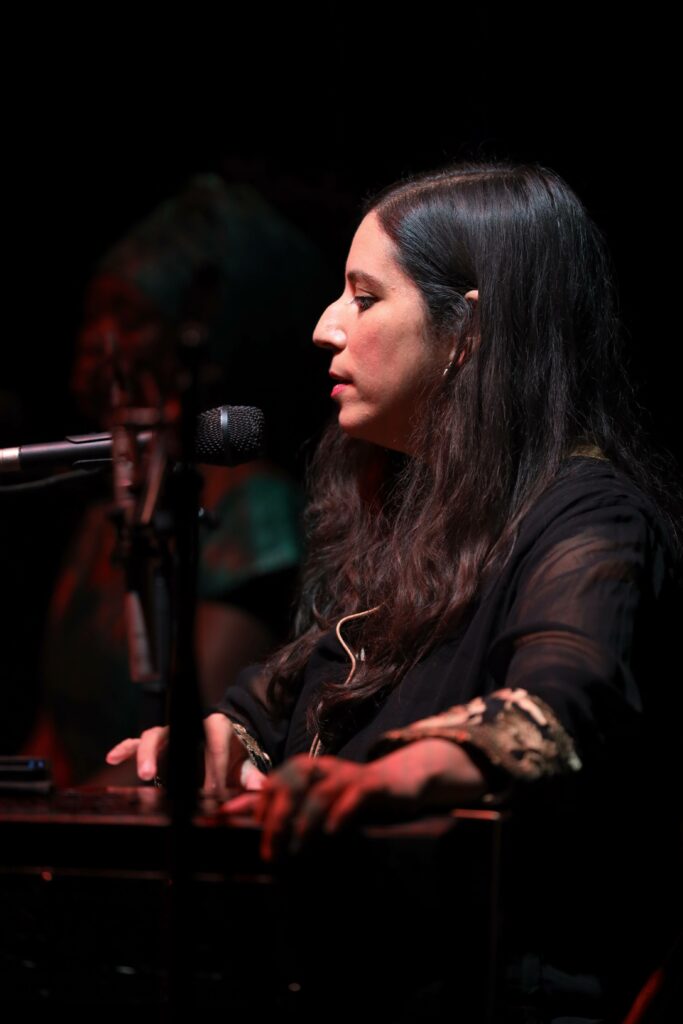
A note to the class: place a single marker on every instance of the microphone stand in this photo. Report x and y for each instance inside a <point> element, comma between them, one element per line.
<point>184,705</point>
<point>159,547</point>
<point>145,533</point>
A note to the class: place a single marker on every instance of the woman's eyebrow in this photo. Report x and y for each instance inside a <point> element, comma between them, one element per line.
<point>356,276</point>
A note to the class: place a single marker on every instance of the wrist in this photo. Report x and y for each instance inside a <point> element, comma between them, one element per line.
<point>452,776</point>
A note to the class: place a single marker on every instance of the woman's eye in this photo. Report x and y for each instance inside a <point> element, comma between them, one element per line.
<point>363,299</point>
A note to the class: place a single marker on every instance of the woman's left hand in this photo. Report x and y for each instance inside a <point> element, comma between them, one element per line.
<point>307,795</point>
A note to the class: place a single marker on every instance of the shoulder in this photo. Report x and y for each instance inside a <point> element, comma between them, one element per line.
<point>596,480</point>
<point>590,510</point>
<point>588,490</point>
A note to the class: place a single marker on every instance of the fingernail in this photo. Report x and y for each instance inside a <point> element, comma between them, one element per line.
<point>146,770</point>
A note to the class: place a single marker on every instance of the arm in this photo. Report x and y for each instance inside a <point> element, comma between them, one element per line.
<point>307,794</point>
<point>567,665</point>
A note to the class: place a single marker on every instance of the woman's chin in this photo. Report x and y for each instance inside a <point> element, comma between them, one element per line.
<point>358,431</point>
<point>364,432</point>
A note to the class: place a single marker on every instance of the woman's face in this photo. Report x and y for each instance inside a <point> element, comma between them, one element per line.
<point>382,364</point>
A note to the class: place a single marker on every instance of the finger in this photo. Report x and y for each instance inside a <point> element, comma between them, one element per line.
<point>275,815</point>
<point>338,777</point>
<point>348,809</point>
<point>251,777</point>
<point>218,735</point>
<point>311,816</point>
<point>294,805</point>
<point>122,751</point>
<point>152,741</point>
<point>314,806</point>
<point>299,770</point>
<point>245,803</point>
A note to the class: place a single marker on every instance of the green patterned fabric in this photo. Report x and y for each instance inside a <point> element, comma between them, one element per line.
<point>259,533</point>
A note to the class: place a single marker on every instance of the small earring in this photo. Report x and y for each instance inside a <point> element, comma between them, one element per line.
<point>445,372</point>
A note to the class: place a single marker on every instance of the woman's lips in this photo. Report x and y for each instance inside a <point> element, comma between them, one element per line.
<point>339,383</point>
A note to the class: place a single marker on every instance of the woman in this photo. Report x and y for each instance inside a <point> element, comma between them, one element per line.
<point>487,601</point>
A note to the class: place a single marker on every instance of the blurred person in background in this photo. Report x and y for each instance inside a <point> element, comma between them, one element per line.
<point>220,256</point>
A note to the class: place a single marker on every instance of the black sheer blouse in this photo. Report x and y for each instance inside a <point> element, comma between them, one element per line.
<point>555,665</point>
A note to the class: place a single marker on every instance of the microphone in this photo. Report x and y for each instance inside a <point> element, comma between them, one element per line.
<point>225,436</point>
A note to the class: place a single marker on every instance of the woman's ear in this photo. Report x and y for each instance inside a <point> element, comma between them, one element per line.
<point>466,350</point>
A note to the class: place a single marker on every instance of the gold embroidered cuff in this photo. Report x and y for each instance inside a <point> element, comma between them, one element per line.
<point>518,733</point>
<point>257,754</point>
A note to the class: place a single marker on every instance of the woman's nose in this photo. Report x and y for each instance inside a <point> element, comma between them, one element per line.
<point>329,331</point>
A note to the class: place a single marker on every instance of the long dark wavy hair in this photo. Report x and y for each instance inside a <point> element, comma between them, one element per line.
<point>416,537</point>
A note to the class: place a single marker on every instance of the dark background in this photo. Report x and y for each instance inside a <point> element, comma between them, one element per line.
<point>315,109</point>
<point>100,133</point>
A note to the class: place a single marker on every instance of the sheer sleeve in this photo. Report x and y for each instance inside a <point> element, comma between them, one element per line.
<point>564,683</point>
<point>246,705</point>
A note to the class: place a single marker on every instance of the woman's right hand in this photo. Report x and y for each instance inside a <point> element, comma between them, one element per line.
<point>224,756</point>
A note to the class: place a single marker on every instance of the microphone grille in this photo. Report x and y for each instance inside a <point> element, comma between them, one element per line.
<point>229,435</point>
